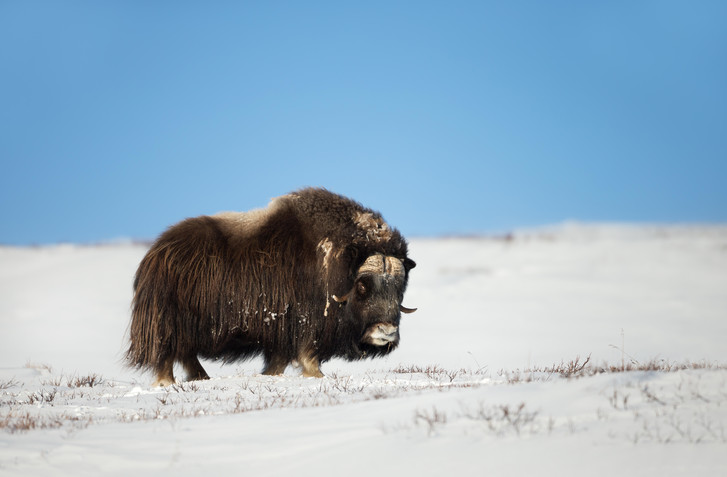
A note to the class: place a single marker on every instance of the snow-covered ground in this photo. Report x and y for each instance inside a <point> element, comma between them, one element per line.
<point>479,384</point>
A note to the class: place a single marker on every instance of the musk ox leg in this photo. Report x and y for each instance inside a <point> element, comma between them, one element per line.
<point>275,364</point>
<point>310,364</point>
<point>164,374</point>
<point>194,369</point>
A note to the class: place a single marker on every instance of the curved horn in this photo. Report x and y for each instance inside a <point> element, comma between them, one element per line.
<point>404,309</point>
<point>343,299</point>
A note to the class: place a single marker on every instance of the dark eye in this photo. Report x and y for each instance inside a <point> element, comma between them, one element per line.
<point>360,289</point>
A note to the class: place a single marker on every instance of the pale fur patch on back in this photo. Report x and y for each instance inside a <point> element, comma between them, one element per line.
<point>248,223</point>
<point>376,229</point>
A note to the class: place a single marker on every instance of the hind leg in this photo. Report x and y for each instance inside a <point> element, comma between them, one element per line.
<point>275,364</point>
<point>194,369</point>
<point>164,373</point>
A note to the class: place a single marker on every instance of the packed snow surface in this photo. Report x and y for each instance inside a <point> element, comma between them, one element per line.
<point>568,350</point>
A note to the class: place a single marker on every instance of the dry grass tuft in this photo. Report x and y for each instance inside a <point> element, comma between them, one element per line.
<point>21,421</point>
<point>578,368</point>
<point>56,400</point>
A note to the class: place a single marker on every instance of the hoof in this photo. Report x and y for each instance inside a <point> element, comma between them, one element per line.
<point>162,383</point>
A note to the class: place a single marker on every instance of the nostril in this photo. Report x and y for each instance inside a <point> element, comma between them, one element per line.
<point>381,334</point>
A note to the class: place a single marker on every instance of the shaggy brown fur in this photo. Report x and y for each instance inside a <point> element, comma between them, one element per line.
<point>237,285</point>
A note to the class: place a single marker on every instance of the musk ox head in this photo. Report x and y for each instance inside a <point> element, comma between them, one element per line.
<point>373,305</point>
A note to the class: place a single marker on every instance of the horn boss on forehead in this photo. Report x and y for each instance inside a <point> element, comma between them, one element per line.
<point>394,266</point>
<point>379,263</point>
<point>240,284</point>
<point>373,264</point>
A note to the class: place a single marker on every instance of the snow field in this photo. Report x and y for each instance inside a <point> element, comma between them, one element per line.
<point>512,365</point>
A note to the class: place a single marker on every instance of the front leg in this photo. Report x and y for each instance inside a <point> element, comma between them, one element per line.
<point>310,363</point>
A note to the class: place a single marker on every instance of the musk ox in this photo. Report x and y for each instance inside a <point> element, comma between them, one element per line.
<point>311,277</point>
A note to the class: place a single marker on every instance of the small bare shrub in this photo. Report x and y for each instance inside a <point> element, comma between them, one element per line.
<point>39,366</point>
<point>90,381</point>
<point>8,384</point>
<point>500,419</point>
<point>517,417</point>
<point>573,369</point>
<point>42,397</point>
<point>186,387</point>
<point>56,381</point>
<point>432,420</point>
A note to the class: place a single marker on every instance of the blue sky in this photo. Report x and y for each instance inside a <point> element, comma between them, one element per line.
<point>118,119</point>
